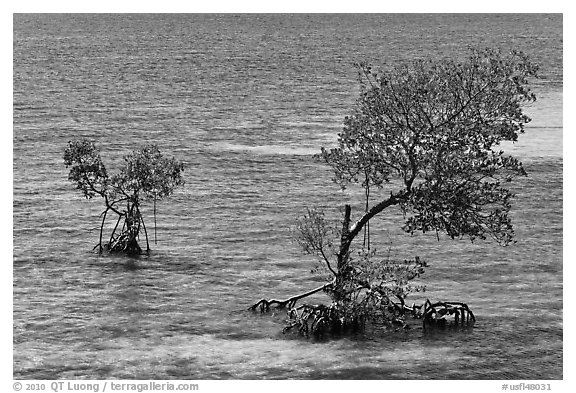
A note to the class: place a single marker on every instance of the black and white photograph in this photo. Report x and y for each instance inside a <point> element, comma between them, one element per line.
<point>271,196</point>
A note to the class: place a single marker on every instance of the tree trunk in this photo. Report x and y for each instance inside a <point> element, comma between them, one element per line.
<point>349,233</point>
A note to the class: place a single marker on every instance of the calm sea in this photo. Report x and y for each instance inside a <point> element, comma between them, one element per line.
<point>244,101</point>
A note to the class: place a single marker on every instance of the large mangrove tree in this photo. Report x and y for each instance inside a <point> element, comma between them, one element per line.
<point>423,138</point>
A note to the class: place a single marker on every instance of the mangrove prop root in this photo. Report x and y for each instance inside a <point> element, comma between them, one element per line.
<point>319,319</point>
<point>436,313</point>
<point>264,305</point>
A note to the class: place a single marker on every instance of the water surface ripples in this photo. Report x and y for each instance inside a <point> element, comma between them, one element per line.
<point>244,101</point>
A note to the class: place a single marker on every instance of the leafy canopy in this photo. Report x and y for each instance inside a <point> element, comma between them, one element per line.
<point>146,174</point>
<point>430,129</point>
<point>87,170</point>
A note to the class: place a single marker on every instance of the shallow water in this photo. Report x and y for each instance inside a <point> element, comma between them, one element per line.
<point>244,101</point>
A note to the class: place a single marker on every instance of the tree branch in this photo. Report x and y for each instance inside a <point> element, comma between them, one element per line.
<point>327,262</point>
<point>102,230</point>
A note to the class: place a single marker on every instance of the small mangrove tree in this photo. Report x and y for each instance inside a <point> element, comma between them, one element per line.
<point>145,176</point>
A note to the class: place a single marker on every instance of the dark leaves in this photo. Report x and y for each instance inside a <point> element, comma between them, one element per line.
<point>145,174</point>
<point>86,168</point>
<point>432,127</point>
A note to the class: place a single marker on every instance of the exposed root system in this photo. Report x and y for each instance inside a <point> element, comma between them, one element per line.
<point>435,314</point>
<point>336,318</point>
<point>264,305</point>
